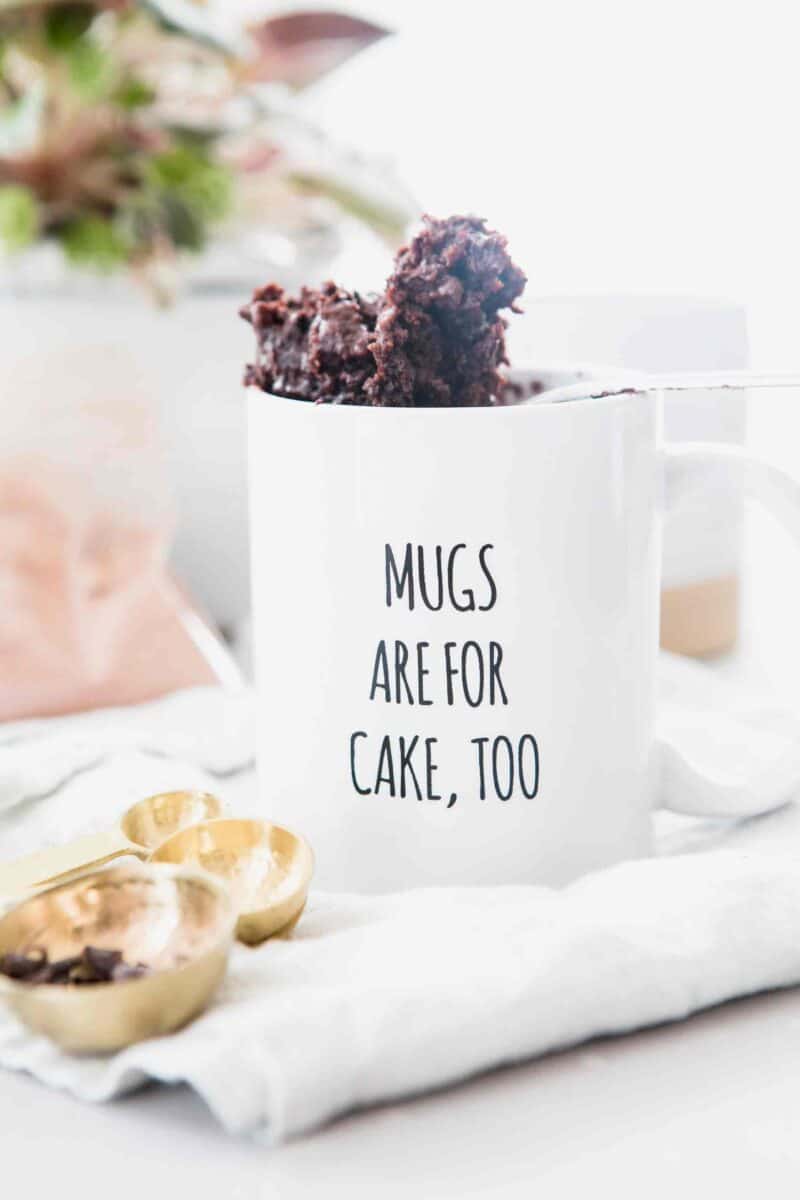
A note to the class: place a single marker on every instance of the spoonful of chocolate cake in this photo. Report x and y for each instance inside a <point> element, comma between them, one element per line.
<point>434,338</point>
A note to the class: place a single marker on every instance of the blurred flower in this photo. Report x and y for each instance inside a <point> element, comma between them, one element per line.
<point>130,131</point>
<point>299,48</point>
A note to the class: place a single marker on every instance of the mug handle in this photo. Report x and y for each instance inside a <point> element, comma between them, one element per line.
<point>779,492</point>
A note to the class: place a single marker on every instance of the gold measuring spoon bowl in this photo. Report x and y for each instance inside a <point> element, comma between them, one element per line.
<point>267,868</point>
<point>177,921</point>
<point>140,829</point>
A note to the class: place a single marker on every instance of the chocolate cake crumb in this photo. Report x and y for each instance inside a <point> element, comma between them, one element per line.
<point>512,391</point>
<point>435,338</point>
<point>439,339</point>
<point>313,347</point>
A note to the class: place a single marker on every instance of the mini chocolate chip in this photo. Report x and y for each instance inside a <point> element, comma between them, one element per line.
<point>20,966</point>
<point>92,965</point>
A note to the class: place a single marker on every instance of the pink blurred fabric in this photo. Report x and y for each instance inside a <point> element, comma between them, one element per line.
<point>89,615</point>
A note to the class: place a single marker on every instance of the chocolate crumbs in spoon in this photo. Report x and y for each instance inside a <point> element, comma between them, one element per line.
<point>92,965</point>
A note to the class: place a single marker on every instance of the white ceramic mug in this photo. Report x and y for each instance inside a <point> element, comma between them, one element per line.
<point>456,618</point>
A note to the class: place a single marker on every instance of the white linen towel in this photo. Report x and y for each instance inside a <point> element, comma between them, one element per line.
<point>380,997</point>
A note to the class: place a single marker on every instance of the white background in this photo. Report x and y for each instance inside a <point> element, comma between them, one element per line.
<point>623,145</point>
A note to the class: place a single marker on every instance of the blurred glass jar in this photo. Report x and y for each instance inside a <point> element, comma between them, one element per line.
<point>702,545</point>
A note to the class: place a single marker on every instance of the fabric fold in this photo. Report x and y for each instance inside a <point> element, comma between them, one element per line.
<point>379,997</point>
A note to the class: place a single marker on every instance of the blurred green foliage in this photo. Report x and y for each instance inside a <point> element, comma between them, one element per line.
<point>127,135</point>
<point>19,218</point>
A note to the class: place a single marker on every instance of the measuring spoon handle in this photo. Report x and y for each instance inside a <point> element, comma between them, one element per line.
<point>59,863</point>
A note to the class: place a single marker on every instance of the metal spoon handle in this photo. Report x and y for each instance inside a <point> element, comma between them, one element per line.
<point>620,385</point>
<point>59,863</point>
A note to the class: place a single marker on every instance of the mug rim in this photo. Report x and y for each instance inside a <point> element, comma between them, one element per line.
<point>573,373</point>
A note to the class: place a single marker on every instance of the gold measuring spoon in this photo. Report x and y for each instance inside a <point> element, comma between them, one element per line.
<point>267,869</point>
<point>177,921</point>
<point>141,829</point>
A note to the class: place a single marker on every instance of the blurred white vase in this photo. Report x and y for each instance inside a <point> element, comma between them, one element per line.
<point>92,338</point>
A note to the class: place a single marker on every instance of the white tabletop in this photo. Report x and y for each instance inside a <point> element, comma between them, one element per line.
<point>711,1105</point>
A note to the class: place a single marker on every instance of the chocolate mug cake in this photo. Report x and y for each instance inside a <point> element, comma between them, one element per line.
<point>434,338</point>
